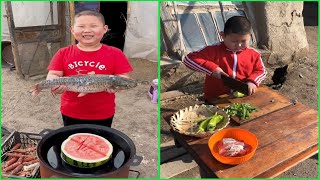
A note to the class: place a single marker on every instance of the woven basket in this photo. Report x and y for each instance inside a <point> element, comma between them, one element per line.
<point>185,121</point>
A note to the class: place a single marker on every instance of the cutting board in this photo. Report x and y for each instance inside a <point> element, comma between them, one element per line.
<point>266,100</point>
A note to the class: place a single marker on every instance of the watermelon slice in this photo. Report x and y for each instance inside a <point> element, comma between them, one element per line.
<point>86,150</point>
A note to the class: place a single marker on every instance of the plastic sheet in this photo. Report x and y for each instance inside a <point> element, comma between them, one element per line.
<point>142,31</point>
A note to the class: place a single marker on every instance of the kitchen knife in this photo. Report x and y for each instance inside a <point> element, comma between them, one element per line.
<point>235,84</point>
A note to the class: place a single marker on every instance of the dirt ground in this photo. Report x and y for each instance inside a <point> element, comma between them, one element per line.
<point>301,85</point>
<point>135,115</point>
<point>302,78</point>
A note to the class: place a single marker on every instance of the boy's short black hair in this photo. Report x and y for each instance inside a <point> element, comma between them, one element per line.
<point>91,13</point>
<point>238,25</point>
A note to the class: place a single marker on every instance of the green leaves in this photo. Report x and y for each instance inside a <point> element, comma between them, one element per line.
<point>241,110</point>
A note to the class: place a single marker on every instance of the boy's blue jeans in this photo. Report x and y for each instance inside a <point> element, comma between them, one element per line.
<point>71,121</point>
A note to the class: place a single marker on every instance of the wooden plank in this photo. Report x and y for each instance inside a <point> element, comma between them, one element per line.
<point>182,45</point>
<point>265,100</point>
<point>272,155</point>
<point>282,123</point>
<point>268,131</point>
<point>169,26</point>
<point>72,12</point>
<point>38,36</point>
<point>37,28</point>
<point>51,12</point>
<point>171,154</point>
<point>62,23</point>
<point>282,167</point>
<point>14,43</point>
<point>36,58</point>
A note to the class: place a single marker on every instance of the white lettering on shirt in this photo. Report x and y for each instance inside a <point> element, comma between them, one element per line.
<point>80,63</point>
<point>75,64</point>
<point>86,63</point>
<point>102,67</point>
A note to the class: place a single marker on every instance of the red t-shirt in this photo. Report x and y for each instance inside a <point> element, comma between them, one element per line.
<point>106,60</point>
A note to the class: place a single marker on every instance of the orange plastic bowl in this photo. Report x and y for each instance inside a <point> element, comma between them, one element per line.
<point>235,133</point>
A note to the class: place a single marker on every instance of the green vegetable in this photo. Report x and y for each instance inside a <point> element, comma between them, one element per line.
<point>203,125</point>
<point>241,110</point>
<point>214,121</point>
<point>238,94</point>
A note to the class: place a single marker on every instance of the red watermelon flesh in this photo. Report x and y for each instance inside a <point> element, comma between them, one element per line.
<point>87,146</point>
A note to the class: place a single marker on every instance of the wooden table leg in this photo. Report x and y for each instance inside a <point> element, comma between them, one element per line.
<point>205,174</point>
<point>176,143</point>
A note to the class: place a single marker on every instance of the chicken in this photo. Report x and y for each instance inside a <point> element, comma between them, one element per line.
<point>279,77</point>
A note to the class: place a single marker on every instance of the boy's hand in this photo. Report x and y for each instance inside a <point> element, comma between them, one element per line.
<point>110,90</point>
<point>58,89</point>
<point>217,73</point>
<point>54,75</point>
<point>252,88</point>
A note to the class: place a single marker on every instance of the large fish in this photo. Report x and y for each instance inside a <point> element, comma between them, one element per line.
<point>87,83</point>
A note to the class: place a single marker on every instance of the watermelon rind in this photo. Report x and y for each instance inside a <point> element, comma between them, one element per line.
<point>85,163</point>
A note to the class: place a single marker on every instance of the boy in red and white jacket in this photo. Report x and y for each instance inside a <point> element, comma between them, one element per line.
<point>233,57</point>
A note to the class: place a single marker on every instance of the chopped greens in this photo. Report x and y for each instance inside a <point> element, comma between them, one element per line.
<point>241,110</point>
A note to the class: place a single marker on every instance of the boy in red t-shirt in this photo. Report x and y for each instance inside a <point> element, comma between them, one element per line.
<point>88,56</point>
<point>233,57</point>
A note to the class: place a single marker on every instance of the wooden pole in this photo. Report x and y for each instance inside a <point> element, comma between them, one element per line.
<point>13,38</point>
<point>51,12</point>
<point>62,22</point>
<point>222,12</point>
<point>72,13</point>
<point>182,48</point>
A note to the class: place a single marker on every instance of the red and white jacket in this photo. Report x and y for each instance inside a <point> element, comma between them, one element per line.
<point>245,65</point>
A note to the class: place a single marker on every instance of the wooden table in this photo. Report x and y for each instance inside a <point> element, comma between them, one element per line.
<point>287,133</point>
